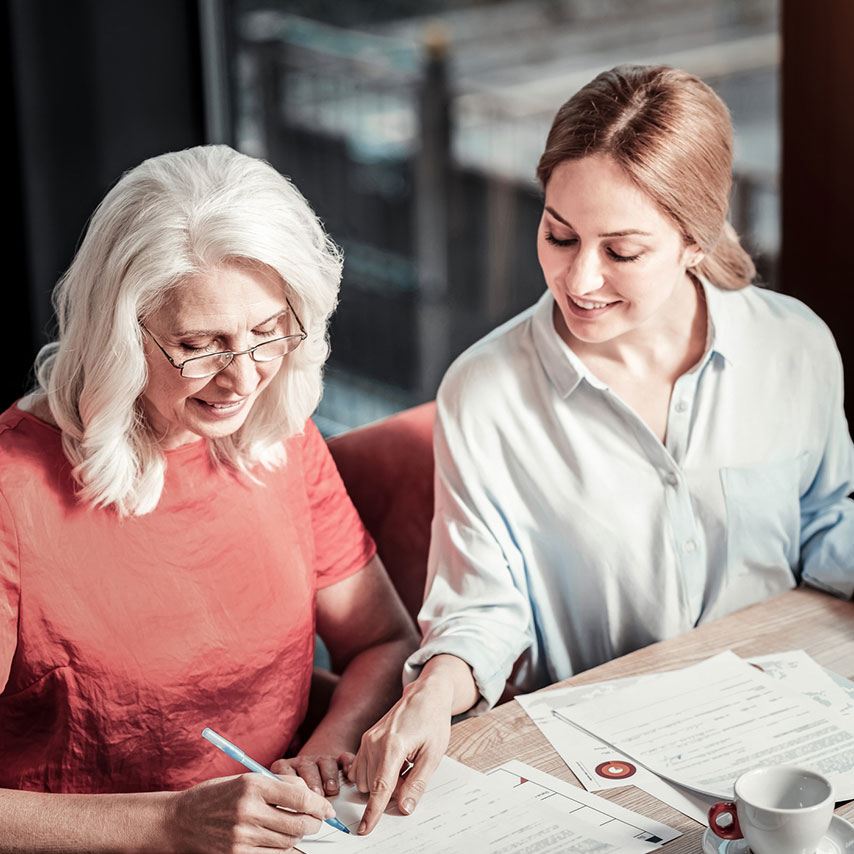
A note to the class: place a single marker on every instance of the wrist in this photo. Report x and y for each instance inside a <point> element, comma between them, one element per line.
<point>333,736</point>
<point>449,681</point>
<point>324,747</point>
<point>166,826</point>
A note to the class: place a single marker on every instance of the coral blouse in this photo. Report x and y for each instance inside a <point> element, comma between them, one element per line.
<point>120,640</point>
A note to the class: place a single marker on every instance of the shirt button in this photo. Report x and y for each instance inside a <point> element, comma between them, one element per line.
<point>681,406</point>
<point>670,479</point>
<point>690,546</point>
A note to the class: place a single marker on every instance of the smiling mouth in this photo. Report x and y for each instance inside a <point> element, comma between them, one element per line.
<point>227,406</point>
<point>590,305</point>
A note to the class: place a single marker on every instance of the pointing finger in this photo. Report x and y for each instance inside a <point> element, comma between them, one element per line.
<point>381,792</point>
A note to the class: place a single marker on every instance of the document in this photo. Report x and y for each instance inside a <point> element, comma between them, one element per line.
<point>528,782</point>
<point>596,764</point>
<point>464,812</point>
<point>701,727</point>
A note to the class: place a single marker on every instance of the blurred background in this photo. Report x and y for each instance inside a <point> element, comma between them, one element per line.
<point>414,130</point>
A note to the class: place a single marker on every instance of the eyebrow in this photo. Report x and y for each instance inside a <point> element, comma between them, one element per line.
<point>215,333</point>
<point>625,233</point>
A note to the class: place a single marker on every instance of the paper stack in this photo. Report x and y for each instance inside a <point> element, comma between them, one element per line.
<point>686,735</point>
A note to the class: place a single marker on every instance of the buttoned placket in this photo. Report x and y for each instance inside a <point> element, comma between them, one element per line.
<point>688,537</point>
<point>688,540</point>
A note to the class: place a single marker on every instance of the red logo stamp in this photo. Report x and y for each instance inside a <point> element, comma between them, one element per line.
<point>616,770</point>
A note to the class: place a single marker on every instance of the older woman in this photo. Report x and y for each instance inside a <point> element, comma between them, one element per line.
<point>174,531</point>
<point>652,445</point>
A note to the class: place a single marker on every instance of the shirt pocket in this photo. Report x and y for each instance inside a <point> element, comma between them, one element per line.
<point>763,516</point>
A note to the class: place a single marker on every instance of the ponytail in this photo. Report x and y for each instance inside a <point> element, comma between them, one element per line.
<point>727,266</point>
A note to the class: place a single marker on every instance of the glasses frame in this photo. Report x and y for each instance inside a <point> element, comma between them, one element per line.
<point>302,335</point>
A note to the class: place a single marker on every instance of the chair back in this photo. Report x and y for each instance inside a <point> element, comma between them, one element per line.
<point>387,468</point>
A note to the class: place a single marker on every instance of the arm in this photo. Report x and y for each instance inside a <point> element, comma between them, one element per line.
<point>827,511</point>
<point>416,730</point>
<point>229,814</point>
<point>477,606</point>
<point>369,635</point>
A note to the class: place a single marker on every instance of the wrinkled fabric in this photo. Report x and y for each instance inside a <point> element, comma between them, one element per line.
<point>567,534</point>
<point>120,640</point>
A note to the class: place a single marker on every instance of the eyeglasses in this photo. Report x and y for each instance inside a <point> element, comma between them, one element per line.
<point>198,367</point>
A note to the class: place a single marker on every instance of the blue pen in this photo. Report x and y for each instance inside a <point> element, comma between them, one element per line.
<point>236,753</point>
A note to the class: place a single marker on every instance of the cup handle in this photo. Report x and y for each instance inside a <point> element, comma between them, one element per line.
<point>731,831</point>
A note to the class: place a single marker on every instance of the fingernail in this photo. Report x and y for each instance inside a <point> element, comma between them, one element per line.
<point>408,805</point>
<point>317,789</point>
<point>363,826</point>
<point>331,784</point>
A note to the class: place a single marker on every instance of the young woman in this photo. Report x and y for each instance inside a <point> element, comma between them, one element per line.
<point>652,445</point>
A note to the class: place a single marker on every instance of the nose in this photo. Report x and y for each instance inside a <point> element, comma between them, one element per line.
<point>241,376</point>
<point>584,273</point>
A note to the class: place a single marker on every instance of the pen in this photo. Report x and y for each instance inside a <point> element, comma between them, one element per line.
<point>236,753</point>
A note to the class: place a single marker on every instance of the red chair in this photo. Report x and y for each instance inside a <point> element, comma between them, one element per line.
<point>387,468</point>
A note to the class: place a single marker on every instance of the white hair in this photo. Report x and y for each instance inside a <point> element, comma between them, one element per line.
<point>172,217</point>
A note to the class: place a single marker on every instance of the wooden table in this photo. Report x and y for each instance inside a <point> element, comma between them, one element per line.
<point>800,619</point>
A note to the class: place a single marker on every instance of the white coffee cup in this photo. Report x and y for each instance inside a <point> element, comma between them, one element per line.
<point>778,809</point>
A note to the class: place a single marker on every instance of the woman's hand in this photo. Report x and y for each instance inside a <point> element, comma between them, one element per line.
<point>235,815</point>
<point>319,770</point>
<point>415,730</point>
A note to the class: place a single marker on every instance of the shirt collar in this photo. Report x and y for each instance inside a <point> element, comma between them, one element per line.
<point>722,336</point>
<point>565,370</point>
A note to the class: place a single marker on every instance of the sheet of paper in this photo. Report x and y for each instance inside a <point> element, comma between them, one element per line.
<point>529,782</point>
<point>704,725</point>
<point>463,812</point>
<point>599,766</point>
<point>596,764</point>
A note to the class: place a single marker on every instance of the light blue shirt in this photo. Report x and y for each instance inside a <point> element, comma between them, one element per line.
<point>566,533</point>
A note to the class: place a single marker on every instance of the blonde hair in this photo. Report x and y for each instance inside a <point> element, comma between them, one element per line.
<point>172,217</point>
<point>672,136</point>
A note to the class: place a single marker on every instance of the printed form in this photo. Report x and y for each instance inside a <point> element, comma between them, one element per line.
<point>598,765</point>
<point>703,726</point>
<point>464,812</point>
<point>530,782</point>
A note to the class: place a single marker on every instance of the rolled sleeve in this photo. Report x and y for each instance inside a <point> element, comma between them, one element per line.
<point>475,608</point>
